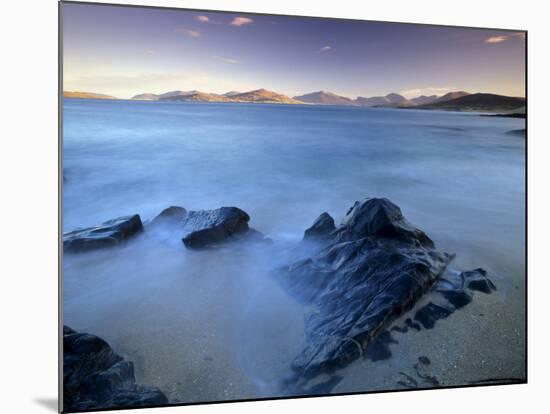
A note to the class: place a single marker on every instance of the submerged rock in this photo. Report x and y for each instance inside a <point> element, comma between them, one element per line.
<point>111,233</point>
<point>373,268</point>
<point>517,132</point>
<point>170,214</point>
<point>95,377</point>
<point>205,228</point>
<point>321,228</point>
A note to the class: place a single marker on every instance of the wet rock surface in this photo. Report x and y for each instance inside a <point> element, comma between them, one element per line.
<point>356,280</point>
<point>109,234</point>
<point>372,269</point>
<point>197,229</point>
<point>95,377</point>
<point>206,228</point>
<point>321,228</point>
<point>452,291</point>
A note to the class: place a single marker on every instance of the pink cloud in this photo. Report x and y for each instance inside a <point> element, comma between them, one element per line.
<point>241,21</point>
<point>202,19</point>
<point>496,39</point>
<point>503,38</point>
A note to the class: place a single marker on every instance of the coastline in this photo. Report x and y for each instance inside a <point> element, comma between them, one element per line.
<point>481,112</point>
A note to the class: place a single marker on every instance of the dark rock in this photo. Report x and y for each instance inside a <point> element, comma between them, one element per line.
<point>109,234</point>
<point>451,292</point>
<point>379,348</point>
<point>379,218</point>
<point>95,377</point>
<point>477,280</point>
<point>517,132</point>
<point>429,314</point>
<point>209,227</point>
<point>413,325</point>
<point>373,268</point>
<point>171,214</point>
<point>457,298</point>
<point>424,360</point>
<point>321,228</point>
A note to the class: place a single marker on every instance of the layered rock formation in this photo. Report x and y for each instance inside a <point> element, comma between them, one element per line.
<point>109,234</point>
<point>95,377</point>
<point>370,270</point>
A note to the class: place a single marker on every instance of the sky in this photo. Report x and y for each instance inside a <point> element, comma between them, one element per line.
<point>125,51</point>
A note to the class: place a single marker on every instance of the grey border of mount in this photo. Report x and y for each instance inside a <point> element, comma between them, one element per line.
<point>60,206</point>
<point>60,210</point>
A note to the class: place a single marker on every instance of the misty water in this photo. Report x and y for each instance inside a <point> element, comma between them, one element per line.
<point>215,325</point>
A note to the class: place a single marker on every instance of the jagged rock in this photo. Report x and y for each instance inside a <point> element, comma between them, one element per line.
<point>321,228</point>
<point>111,233</point>
<point>209,227</point>
<point>380,218</point>
<point>95,377</point>
<point>372,269</point>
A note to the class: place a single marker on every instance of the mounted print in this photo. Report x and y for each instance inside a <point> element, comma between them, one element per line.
<point>265,206</point>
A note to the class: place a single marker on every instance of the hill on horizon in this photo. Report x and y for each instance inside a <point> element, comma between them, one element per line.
<point>263,96</point>
<point>457,100</point>
<point>423,99</point>
<point>324,98</point>
<point>194,96</point>
<point>451,95</point>
<point>390,100</point>
<point>478,102</point>
<point>157,97</point>
<point>87,95</point>
<point>257,96</point>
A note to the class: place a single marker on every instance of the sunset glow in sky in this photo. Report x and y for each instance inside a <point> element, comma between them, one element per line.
<point>124,51</point>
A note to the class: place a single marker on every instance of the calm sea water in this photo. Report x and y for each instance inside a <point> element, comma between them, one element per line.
<point>204,326</point>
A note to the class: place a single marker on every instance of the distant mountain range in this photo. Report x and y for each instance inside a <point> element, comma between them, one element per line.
<point>391,99</point>
<point>478,102</point>
<point>456,101</point>
<point>423,99</point>
<point>449,96</point>
<point>324,98</point>
<point>87,95</point>
<point>255,96</point>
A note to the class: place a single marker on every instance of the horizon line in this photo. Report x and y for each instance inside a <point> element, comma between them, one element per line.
<point>191,91</point>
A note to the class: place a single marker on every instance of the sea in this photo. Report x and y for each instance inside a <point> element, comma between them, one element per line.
<point>216,325</point>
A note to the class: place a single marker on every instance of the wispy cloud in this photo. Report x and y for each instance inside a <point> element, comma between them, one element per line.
<point>236,21</point>
<point>503,38</point>
<point>188,32</point>
<point>150,51</point>
<point>226,60</point>
<point>241,21</point>
<point>325,48</point>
